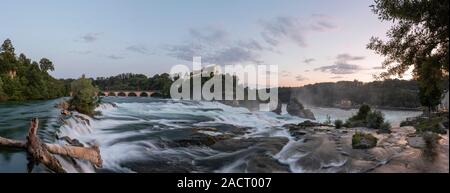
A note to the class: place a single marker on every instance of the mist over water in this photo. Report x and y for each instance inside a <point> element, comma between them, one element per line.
<point>144,134</point>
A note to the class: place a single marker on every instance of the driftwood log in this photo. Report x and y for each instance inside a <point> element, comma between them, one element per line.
<point>40,152</point>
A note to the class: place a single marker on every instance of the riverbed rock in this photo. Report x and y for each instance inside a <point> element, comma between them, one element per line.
<point>295,108</point>
<point>63,105</point>
<point>66,113</point>
<point>416,142</point>
<point>278,109</point>
<point>255,155</point>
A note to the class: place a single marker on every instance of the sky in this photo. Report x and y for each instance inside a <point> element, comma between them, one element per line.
<point>310,40</point>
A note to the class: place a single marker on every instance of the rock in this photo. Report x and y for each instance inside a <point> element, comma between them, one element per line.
<point>278,109</point>
<point>198,137</point>
<point>295,108</point>
<point>270,144</point>
<point>363,141</point>
<point>66,112</point>
<point>416,142</point>
<point>64,105</point>
<point>263,163</point>
<point>201,139</point>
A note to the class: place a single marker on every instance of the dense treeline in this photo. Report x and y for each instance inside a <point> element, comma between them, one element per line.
<point>387,93</point>
<point>24,79</point>
<point>129,81</point>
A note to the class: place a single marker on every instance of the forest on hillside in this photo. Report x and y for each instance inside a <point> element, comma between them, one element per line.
<point>387,93</point>
<point>23,79</point>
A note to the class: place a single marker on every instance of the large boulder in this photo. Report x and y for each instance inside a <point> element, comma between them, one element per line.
<point>296,108</point>
<point>363,141</point>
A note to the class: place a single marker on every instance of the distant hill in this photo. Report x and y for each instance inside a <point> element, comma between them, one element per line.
<point>393,93</point>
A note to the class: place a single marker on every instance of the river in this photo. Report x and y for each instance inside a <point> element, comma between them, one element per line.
<point>149,135</point>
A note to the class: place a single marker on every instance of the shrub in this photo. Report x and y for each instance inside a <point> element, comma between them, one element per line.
<point>385,127</point>
<point>363,141</point>
<point>84,98</point>
<point>368,118</point>
<point>338,124</point>
<point>374,119</point>
<point>364,110</point>
<point>430,125</point>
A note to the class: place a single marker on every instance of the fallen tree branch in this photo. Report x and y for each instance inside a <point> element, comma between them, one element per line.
<point>42,153</point>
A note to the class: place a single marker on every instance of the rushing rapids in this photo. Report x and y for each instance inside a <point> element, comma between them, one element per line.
<point>156,135</point>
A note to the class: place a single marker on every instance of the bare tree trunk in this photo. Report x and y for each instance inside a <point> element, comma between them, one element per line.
<point>42,153</point>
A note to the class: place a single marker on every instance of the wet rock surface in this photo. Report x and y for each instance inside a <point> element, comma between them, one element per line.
<point>295,108</point>
<point>322,149</point>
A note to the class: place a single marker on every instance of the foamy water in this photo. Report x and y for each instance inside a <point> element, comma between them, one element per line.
<point>134,129</point>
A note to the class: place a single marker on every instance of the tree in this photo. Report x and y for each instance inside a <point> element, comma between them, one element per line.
<point>2,92</point>
<point>418,39</point>
<point>24,79</point>
<point>420,31</point>
<point>7,57</point>
<point>84,96</point>
<point>46,65</point>
<point>430,87</point>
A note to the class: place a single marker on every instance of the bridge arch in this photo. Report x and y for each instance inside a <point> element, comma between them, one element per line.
<point>112,94</point>
<point>122,94</point>
<point>132,94</point>
<point>144,94</point>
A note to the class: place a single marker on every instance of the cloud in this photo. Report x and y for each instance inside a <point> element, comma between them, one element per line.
<point>342,65</point>
<point>336,77</point>
<point>347,57</point>
<point>309,60</point>
<point>285,73</point>
<point>340,68</point>
<point>140,49</point>
<point>115,57</point>
<point>208,34</point>
<point>215,47</point>
<point>293,29</point>
<point>300,78</point>
<point>378,68</point>
<point>90,37</point>
<point>81,52</point>
<point>215,44</point>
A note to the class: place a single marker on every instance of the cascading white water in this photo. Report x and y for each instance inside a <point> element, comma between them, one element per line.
<point>130,131</point>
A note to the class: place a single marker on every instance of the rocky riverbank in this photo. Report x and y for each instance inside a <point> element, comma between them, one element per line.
<point>330,150</point>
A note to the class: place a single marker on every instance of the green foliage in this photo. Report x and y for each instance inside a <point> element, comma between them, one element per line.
<point>46,65</point>
<point>2,92</point>
<point>363,112</point>
<point>424,125</point>
<point>385,127</point>
<point>368,118</point>
<point>420,31</point>
<point>419,39</point>
<point>374,119</point>
<point>363,140</point>
<point>430,84</point>
<point>84,98</point>
<point>23,79</point>
<point>338,124</point>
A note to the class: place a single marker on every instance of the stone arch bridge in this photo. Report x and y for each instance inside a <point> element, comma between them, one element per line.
<point>128,93</point>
